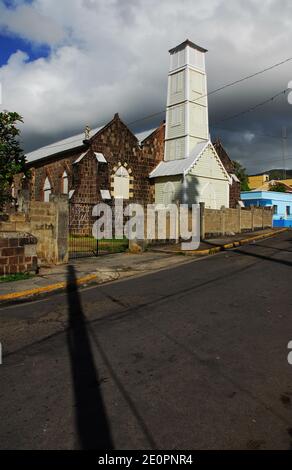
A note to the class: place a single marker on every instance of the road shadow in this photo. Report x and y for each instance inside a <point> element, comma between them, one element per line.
<point>90,416</point>
<point>263,257</point>
<point>275,248</point>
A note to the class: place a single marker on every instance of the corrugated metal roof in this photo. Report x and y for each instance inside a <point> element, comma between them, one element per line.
<point>65,144</point>
<point>80,157</point>
<point>179,167</point>
<point>71,143</point>
<point>142,135</point>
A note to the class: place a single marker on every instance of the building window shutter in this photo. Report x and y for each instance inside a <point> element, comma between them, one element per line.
<point>177,149</point>
<point>122,184</point>
<point>65,183</point>
<point>47,188</point>
<point>176,116</point>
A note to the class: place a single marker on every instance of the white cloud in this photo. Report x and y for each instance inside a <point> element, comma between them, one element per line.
<point>111,56</point>
<point>27,22</point>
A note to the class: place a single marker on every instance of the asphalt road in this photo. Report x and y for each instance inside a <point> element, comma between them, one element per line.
<point>194,357</point>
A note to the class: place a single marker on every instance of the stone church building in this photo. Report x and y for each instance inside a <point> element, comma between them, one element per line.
<point>175,162</point>
<point>106,163</point>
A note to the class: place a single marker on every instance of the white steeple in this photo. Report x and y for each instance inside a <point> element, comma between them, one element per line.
<point>187,105</point>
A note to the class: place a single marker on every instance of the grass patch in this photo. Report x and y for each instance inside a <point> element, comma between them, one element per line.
<point>79,244</point>
<point>15,277</point>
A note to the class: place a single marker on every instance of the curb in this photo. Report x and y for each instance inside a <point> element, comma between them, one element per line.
<point>91,277</point>
<point>229,246</point>
<point>47,289</point>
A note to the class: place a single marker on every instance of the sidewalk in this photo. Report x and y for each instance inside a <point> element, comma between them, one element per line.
<point>101,269</point>
<point>108,268</point>
<point>214,245</point>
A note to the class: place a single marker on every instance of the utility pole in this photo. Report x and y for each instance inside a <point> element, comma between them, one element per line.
<point>284,148</point>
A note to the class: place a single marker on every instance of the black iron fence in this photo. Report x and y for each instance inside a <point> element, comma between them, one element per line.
<point>81,241</point>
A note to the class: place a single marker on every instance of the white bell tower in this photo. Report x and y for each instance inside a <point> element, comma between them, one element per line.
<point>187,104</point>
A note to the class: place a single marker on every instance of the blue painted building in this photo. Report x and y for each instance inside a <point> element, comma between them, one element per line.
<point>282,203</point>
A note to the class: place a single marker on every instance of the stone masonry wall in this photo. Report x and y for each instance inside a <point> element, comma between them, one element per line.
<point>48,222</point>
<point>87,177</point>
<point>17,253</point>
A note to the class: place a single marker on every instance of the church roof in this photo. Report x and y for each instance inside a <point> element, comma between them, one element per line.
<point>181,166</point>
<point>141,136</point>
<point>184,165</point>
<point>71,143</point>
<point>57,147</point>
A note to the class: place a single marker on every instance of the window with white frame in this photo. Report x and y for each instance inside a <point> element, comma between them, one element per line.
<point>65,183</point>
<point>122,184</point>
<point>47,188</point>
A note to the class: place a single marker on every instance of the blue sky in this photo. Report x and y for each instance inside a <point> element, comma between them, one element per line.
<point>11,44</point>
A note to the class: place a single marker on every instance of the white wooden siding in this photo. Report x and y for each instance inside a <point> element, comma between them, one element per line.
<point>176,121</point>
<point>208,165</point>
<point>193,141</point>
<point>178,59</point>
<point>175,149</point>
<point>197,87</point>
<point>176,88</point>
<point>196,58</point>
<point>214,193</point>
<point>198,121</point>
<point>161,188</point>
<point>206,182</point>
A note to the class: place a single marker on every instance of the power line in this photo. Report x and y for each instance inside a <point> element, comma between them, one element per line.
<point>145,118</point>
<point>223,87</point>
<point>251,76</point>
<point>253,107</point>
<point>260,134</point>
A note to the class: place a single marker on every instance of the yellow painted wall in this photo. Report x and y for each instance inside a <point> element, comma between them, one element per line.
<point>255,182</point>
<point>288,181</point>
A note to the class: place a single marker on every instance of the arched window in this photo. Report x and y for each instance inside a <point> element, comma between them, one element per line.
<point>47,190</point>
<point>65,183</point>
<point>122,184</point>
<point>13,191</point>
<point>168,193</point>
<point>208,196</point>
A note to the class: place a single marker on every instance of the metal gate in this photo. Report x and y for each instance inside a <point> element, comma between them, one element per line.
<point>81,242</point>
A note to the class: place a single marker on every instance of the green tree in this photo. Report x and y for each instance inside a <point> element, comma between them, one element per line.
<point>12,159</point>
<point>241,174</point>
<point>278,187</point>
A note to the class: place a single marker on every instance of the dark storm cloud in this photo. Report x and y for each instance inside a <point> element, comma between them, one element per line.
<point>111,56</point>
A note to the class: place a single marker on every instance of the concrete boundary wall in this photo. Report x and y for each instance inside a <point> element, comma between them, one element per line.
<point>231,221</point>
<point>48,222</point>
